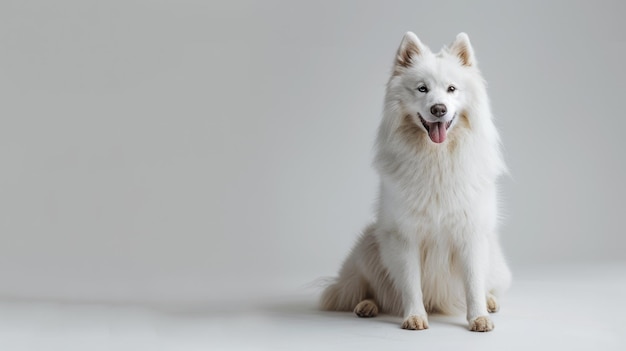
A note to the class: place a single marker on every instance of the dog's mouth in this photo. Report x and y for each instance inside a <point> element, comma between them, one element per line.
<point>437,131</point>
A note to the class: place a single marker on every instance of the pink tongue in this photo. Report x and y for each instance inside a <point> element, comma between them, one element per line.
<point>437,132</point>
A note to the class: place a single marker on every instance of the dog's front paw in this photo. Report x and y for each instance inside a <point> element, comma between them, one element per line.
<point>481,324</point>
<point>414,322</point>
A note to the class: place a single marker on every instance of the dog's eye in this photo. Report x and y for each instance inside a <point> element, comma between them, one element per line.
<point>451,89</point>
<point>422,89</point>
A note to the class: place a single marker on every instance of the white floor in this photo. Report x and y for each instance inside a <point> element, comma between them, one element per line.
<point>550,308</point>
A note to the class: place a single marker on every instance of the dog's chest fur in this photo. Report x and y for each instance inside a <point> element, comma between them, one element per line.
<point>432,190</point>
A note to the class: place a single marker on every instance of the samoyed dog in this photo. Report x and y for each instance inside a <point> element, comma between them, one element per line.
<point>434,244</point>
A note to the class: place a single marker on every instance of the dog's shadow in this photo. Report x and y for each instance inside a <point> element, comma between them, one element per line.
<point>304,310</point>
<point>309,309</point>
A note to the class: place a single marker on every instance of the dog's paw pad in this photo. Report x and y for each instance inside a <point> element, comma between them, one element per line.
<point>366,309</point>
<point>481,324</point>
<point>492,304</point>
<point>414,322</point>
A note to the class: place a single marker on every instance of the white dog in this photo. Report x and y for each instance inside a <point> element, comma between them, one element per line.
<point>434,245</point>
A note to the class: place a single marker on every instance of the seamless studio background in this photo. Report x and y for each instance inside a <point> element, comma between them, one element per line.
<point>159,151</point>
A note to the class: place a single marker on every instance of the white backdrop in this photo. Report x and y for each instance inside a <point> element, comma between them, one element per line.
<point>197,150</point>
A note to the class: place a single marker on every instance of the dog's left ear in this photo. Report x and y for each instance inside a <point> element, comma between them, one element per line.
<point>462,49</point>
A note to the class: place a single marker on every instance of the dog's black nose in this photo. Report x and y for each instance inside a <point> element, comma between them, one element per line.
<point>438,110</point>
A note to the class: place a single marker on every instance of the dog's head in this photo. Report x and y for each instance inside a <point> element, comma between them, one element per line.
<point>433,88</point>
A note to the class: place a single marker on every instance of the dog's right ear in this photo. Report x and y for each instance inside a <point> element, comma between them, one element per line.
<point>409,49</point>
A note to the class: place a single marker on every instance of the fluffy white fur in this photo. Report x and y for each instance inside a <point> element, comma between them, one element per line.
<point>434,245</point>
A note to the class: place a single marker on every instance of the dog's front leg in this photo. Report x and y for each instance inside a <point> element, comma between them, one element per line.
<point>474,255</point>
<point>400,256</point>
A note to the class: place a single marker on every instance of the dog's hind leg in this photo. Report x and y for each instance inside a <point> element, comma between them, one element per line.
<point>492,303</point>
<point>499,278</point>
<point>347,290</point>
<point>344,294</point>
<point>366,308</point>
